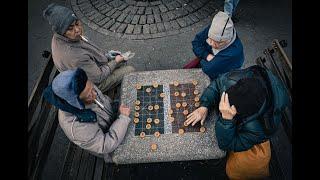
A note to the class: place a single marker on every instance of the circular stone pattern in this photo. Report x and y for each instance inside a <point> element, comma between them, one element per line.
<point>136,19</point>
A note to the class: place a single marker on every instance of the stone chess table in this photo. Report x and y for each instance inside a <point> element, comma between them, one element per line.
<point>171,146</point>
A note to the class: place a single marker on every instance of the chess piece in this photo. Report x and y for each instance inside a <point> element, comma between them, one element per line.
<point>178,105</point>
<point>148,90</point>
<point>136,114</point>
<point>150,108</point>
<point>171,119</point>
<point>148,126</point>
<point>149,120</point>
<point>196,99</point>
<point>136,120</point>
<point>185,112</point>
<point>195,82</point>
<point>197,104</point>
<point>181,131</point>
<point>185,124</point>
<point>183,94</point>
<point>202,129</point>
<point>176,83</point>
<point>170,111</point>
<point>176,94</point>
<point>138,86</point>
<point>137,108</point>
<point>195,92</point>
<point>162,95</point>
<point>154,147</point>
<point>156,121</point>
<point>155,84</point>
<point>142,135</point>
<point>156,107</point>
<point>157,134</point>
<point>184,104</point>
<point>137,102</point>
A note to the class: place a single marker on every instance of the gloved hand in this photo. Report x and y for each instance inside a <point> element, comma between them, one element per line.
<point>127,55</point>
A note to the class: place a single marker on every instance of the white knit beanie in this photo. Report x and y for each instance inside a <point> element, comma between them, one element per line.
<point>221,27</point>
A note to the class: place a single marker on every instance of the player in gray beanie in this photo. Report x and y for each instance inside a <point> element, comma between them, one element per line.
<point>59,17</point>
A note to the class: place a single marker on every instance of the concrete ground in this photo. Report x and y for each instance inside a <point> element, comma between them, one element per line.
<point>260,23</point>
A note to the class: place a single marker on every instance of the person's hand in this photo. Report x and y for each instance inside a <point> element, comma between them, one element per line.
<point>227,112</point>
<point>119,58</point>
<point>197,115</point>
<point>210,57</point>
<point>125,110</point>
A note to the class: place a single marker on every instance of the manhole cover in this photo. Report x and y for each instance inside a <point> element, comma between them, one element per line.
<point>138,19</point>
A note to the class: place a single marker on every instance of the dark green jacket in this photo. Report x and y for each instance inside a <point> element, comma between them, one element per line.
<point>235,136</point>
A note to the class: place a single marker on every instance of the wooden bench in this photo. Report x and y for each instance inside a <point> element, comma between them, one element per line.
<point>277,61</point>
<point>79,164</point>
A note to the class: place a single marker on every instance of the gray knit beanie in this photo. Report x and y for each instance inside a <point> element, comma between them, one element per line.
<point>59,17</point>
<point>222,28</point>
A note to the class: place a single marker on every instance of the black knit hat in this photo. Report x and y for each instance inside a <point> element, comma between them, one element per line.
<point>59,17</point>
<point>247,95</point>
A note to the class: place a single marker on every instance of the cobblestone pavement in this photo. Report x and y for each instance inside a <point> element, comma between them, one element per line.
<point>142,19</point>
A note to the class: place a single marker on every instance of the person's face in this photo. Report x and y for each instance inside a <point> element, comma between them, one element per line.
<point>217,44</point>
<point>74,31</point>
<point>88,95</point>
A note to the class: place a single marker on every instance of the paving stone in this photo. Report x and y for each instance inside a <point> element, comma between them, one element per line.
<point>153,28</point>
<point>154,3</point>
<point>180,13</point>
<point>114,26</point>
<point>131,2</point>
<point>102,22</point>
<point>89,14</point>
<point>109,24</point>
<point>116,14</point>
<point>105,11</point>
<point>146,29</point>
<point>182,1</point>
<point>122,17</point>
<point>95,15</point>
<point>170,6</point>
<point>134,10</point>
<point>127,10</point>
<point>157,18</point>
<point>99,18</point>
<point>167,26</point>
<point>137,29</point>
<point>150,19</point>
<point>171,15</point>
<point>140,3</point>
<point>128,19</point>
<point>165,17</point>
<point>163,8</point>
<point>188,20</point>
<point>193,18</point>
<point>135,19</point>
<point>141,10</point>
<point>121,28</point>
<point>123,6</point>
<point>143,19</point>
<point>109,13</point>
<point>175,4</point>
<point>148,10</point>
<point>174,24</point>
<point>116,3</point>
<point>129,29</point>
<point>182,22</point>
<point>101,8</point>
<point>155,10</point>
<point>188,8</point>
<point>160,27</point>
<point>198,15</point>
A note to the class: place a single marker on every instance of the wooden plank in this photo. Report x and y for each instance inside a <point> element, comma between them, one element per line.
<point>40,85</point>
<point>75,164</point>
<point>45,141</point>
<point>33,137</point>
<point>33,115</point>
<point>83,165</point>
<point>282,152</point>
<point>90,167</point>
<point>68,160</point>
<point>98,169</point>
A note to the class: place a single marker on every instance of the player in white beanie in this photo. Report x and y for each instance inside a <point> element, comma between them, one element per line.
<point>218,47</point>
